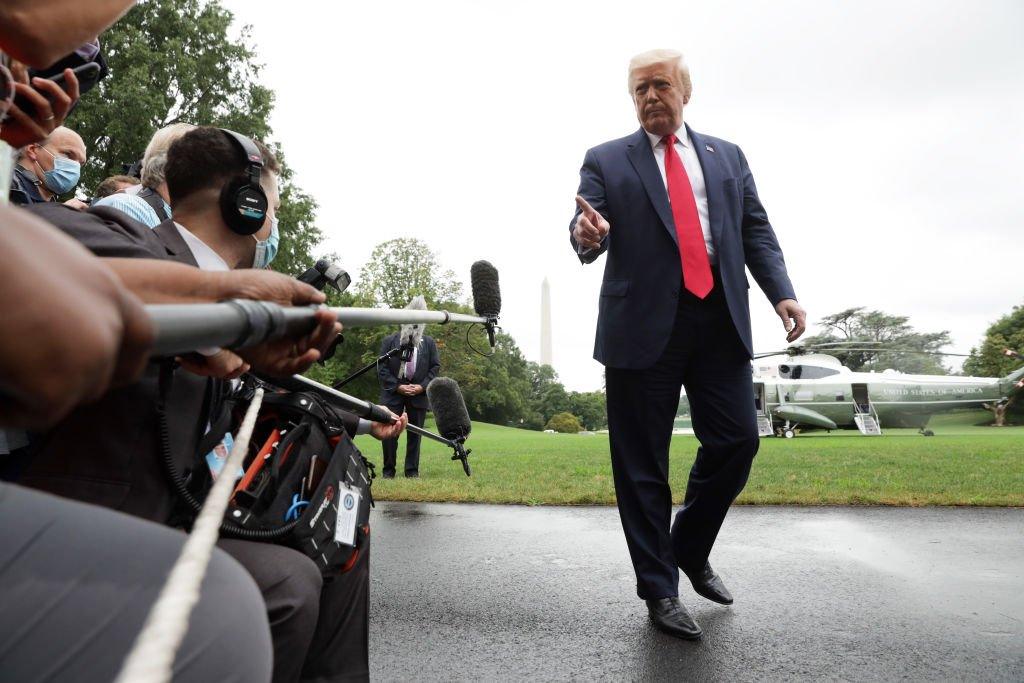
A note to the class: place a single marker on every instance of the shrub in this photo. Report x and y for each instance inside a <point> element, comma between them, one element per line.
<point>566,423</point>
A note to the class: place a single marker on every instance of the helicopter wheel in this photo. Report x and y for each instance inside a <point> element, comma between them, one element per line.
<point>789,433</point>
<point>927,432</point>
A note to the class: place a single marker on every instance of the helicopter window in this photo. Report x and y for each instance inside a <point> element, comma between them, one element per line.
<point>810,372</point>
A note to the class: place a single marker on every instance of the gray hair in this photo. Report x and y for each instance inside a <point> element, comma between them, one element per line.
<point>651,57</point>
<point>154,160</point>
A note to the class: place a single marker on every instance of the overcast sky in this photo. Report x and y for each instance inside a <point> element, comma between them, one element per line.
<point>885,138</point>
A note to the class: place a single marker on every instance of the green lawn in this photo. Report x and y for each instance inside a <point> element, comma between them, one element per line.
<point>962,464</point>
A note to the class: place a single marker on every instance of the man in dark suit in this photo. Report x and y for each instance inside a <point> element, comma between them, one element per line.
<point>679,217</point>
<point>403,387</point>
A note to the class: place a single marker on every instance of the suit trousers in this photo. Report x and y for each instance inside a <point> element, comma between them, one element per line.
<point>77,583</point>
<point>704,355</point>
<point>417,416</point>
<point>320,629</point>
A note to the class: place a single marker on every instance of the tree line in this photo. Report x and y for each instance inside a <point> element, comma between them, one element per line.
<point>500,386</point>
<point>176,60</point>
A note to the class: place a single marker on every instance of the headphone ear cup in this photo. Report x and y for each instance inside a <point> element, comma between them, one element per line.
<point>243,207</point>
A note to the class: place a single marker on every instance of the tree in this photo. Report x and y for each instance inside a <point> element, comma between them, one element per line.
<point>902,348</point>
<point>989,359</point>
<point>402,268</point>
<point>496,389</point>
<point>174,61</point>
<point>564,423</point>
<point>590,407</point>
<point>547,395</point>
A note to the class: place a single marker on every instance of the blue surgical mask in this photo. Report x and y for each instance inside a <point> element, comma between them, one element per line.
<point>266,249</point>
<point>63,176</point>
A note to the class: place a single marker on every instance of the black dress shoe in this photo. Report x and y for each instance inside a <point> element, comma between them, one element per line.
<point>670,616</point>
<point>412,475</point>
<point>388,475</point>
<point>709,585</point>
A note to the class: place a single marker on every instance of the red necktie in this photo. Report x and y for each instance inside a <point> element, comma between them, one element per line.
<point>692,251</point>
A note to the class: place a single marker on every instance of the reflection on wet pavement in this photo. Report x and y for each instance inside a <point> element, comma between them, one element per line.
<point>506,592</point>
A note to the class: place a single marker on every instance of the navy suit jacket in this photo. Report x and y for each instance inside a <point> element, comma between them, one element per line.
<point>643,273</point>
<point>428,364</point>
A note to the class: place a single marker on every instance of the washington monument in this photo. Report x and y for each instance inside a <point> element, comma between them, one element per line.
<point>545,323</point>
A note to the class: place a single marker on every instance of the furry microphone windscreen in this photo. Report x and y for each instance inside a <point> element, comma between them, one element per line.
<point>449,408</point>
<point>412,334</point>
<point>486,292</point>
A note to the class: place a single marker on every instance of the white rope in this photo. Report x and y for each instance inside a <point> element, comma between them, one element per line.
<point>152,657</point>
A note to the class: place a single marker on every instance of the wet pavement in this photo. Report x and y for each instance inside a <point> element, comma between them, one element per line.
<point>480,592</point>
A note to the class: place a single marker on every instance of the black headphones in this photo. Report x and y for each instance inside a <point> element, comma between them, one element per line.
<point>243,203</point>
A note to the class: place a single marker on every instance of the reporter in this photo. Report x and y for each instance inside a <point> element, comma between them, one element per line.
<point>48,169</point>
<point>150,203</point>
<point>85,633</point>
<point>318,630</point>
<point>113,185</point>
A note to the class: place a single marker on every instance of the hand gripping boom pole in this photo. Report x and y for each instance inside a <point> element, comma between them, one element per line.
<point>239,323</point>
<point>235,324</point>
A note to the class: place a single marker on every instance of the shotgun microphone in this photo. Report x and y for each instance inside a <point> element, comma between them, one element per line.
<point>486,295</point>
<point>452,418</point>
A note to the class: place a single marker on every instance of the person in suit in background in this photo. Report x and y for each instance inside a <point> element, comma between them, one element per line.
<point>403,387</point>
<point>678,215</point>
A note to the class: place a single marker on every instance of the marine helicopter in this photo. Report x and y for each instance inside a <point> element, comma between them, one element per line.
<point>806,388</point>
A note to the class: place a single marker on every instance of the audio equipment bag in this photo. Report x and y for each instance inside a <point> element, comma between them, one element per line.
<point>305,484</point>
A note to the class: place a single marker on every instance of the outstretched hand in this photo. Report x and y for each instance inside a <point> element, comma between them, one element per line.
<point>591,227</point>
<point>794,319</point>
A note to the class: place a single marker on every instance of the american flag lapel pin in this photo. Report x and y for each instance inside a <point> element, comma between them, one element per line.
<point>709,148</point>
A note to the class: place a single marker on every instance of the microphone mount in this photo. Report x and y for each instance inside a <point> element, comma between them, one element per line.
<point>461,453</point>
<point>323,273</point>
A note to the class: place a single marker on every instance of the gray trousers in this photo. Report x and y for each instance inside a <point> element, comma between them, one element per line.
<point>320,629</point>
<point>77,582</point>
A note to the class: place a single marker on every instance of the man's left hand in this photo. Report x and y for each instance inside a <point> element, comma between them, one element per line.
<point>289,356</point>
<point>794,319</point>
<point>381,431</point>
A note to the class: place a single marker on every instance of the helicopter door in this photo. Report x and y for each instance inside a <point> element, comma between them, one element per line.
<point>864,415</point>
<point>860,398</point>
<point>764,421</point>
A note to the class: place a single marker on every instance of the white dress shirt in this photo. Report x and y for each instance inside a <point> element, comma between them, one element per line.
<point>205,256</point>
<point>686,153</point>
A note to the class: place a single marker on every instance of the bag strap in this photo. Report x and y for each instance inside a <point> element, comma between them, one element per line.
<point>155,201</point>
